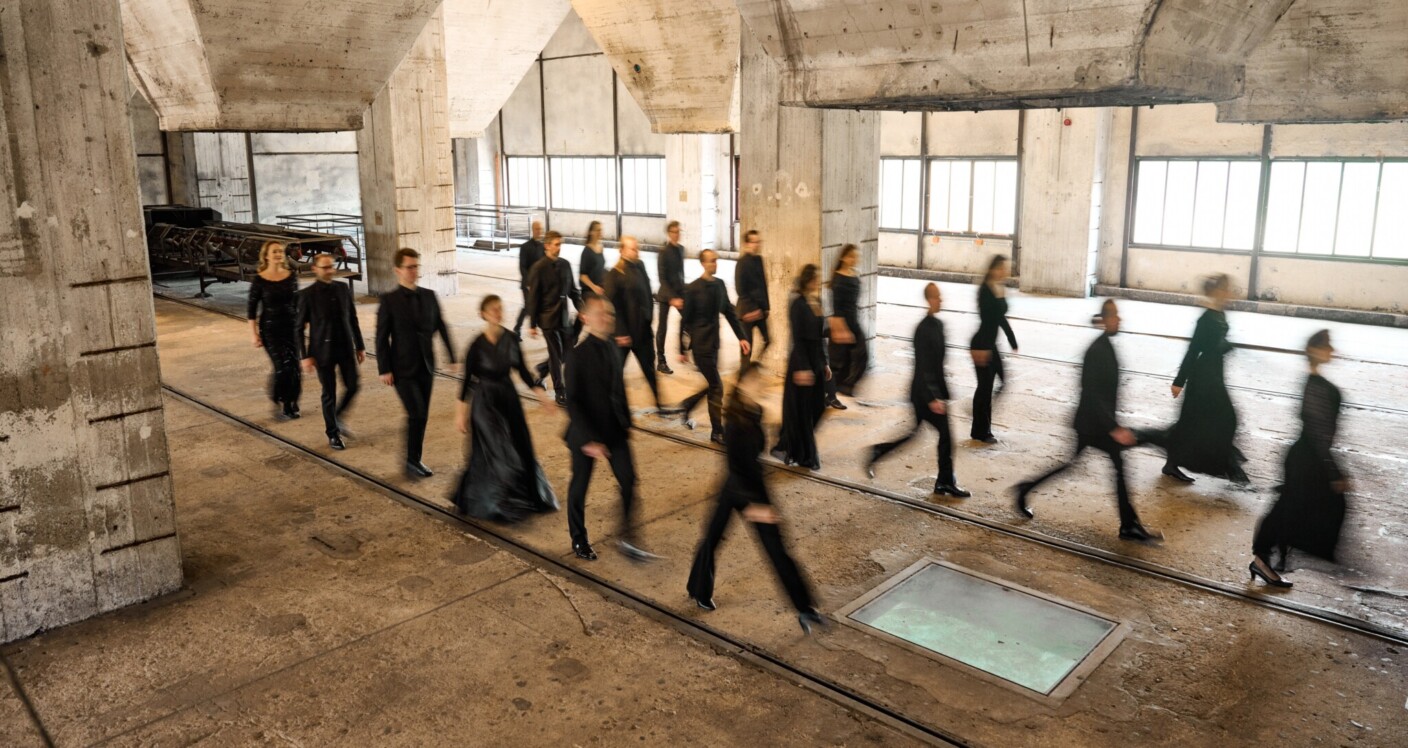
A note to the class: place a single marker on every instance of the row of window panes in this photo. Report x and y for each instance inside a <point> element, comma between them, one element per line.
<point>965,196</point>
<point>588,183</point>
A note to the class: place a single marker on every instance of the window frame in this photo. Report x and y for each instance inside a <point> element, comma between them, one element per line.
<point>612,207</point>
<point>1339,200</point>
<point>664,189</point>
<point>509,185</point>
<point>1258,220</point>
<point>984,235</point>
<point>919,189</point>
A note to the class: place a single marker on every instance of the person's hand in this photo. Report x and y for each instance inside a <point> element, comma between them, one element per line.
<point>828,373</point>
<point>1176,390</point>
<point>684,358</point>
<point>257,342</point>
<point>462,423</point>
<point>596,451</point>
<point>677,303</point>
<point>308,365</point>
<point>1123,436</point>
<point>981,358</point>
<point>623,340</point>
<point>361,356</point>
<point>388,379</point>
<point>753,316</point>
<point>1340,486</point>
<point>803,378</point>
<point>762,514</point>
<point>745,347</point>
<point>533,332</point>
<point>937,407</point>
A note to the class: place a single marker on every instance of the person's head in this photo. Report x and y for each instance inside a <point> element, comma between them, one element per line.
<point>272,254</point>
<point>538,230</point>
<point>491,310</point>
<point>808,280</point>
<point>1318,348</point>
<point>1108,318</point>
<point>997,270</point>
<point>846,260</point>
<point>710,260</point>
<point>594,231</point>
<point>552,244</point>
<point>752,242</point>
<point>407,266</point>
<point>933,298</point>
<point>323,267</point>
<point>1217,287</point>
<point>630,248</point>
<point>599,316</point>
<point>672,230</point>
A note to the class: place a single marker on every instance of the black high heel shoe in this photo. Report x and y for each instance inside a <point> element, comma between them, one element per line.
<point>1021,490</point>
<point>809,620</point>
<point>1277,582</point>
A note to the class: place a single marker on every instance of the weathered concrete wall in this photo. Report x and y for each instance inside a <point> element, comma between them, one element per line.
<point>1192,130</point>
<point>489,46</point>
<point>1062,196</point>
<point>151,152</point>
<point>299,173</point>
<point>222,174</point>
<point>87,522</point>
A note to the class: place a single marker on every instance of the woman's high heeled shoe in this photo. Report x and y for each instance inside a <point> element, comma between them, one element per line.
<point>1277,582</point>
<point>809,620</point>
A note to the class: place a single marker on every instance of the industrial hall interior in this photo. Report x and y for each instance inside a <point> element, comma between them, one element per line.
<point>704,373</point>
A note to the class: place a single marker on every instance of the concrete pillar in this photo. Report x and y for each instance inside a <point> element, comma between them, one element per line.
<point>223,179</point>
<point>406,169</point>
<point>181,167</point>
<point>684,199</point>
<point>809,182</point>
<point>87,522</point>
<point>466,154</point>
<point>1064,159</point>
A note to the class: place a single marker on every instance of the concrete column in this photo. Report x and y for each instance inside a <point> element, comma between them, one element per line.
<point>87,522</point>
<point>181,167</point>
<point>809,182</point>
<point>466,154</point>
<point>407,171</point>
<point>1064,159</point>
<point>684,199</point>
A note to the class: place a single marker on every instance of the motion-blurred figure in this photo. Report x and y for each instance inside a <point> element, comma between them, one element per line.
<point>528,255</point>
<point>273,313</point>
<point>987,361</point>
<point>628,289</point>
<point>670,268</point>
<point>335,343</point>
<point>705,299</point>
<point>804,392</point>
<point>550,288</point>
<point>849,355</point>
<point>750,282</point>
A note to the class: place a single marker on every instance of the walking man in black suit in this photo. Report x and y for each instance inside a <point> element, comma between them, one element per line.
<point>528,255</point>
<point>550,287</point>
<point>705,300</point>
<point>628,289</point>
<point>750,282</point>
<point>670,268</point>
<point>335,343</point>
<point>599,425</point>
<point>1096,423</point>
<point>406,324</point>
<point>928,393</point>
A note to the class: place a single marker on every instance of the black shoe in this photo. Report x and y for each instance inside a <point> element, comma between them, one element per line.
<point>542,369</point>
<point>1271,579</point>
<point>717,437</point>
<point>870,461</point>
<point>281,413</point>
<point>814,465</point>
<point>809,620</point>
<point>335,441</point>
<point>779,454</point>
<point>837,404</point>
<point>1173,472</point>
<point>418,470</point>
<point>635,552</point>
<point>704,603</point>
<point>989,439</point>
<point>685,420</point>
<point>561,399</point>
<point>291,411</point>
<point>664,368</point>
<point>1022,489</point>
<point>1139,532</point>
<point>584,551</point>
<point>951,489</point>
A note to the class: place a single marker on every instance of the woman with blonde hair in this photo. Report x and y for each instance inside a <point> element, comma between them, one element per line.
<point>273,322</point>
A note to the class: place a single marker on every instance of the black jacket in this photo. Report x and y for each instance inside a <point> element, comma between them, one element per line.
<point>808,346</point>
<point>671,271</point>
<point>596,395</point>
<point>1099,389</point>
<point>992,314</point>
<point>744,442</point>
<point>704,301</point>
<point>330,312</point>
<point>528,255</point>
<point>751,284</point>
<point>629,292</point>
<point>550,286</point>
<point>929,383</point>
<point>406,324</point>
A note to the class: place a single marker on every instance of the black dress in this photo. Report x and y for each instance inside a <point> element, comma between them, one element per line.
<point>803,406</point>
<point>504,480</point>
<point>992,316</point>
<point>1202,440</point>
<point>278,329</point>
<point>1310,512</point>
<point>593,265</point>
<point>848,360</point>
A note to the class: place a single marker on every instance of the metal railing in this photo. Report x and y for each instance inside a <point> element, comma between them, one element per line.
<point>492,226</point>
<point>343,224</point>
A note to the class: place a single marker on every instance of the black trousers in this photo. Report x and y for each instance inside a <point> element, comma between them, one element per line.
<point>923,415</point>
<point>414,392</point>
<point>660,330</point>
<point>644,350</point>
<point>557,355</point>
<point>748,328</point>
<point>848,361</point>
<point>522,313</point>
<point>624,467</point>
<point>701,574</point>
<point>327,377</point>
<point>982,395</point>
<point>1109,446</point>
<point>714,389</point>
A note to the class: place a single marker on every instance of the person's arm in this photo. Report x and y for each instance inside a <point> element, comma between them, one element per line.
<point>1098,379</point>
<point>470,370</point>
<point>519,364</point>
<point>691,308</point>
<point>383,338</point>
<point>931,377</point>
<point>570,286</point>
<point>1007,328</point>
<point>350,309</point>
<point>534,281</point>
<point>300,345</point>
<point>256,295</point>
<point>525,264</point>
<point>730,314</point>
<point>443,328</point>
<point>577,374</point>
<point>1196,347</point>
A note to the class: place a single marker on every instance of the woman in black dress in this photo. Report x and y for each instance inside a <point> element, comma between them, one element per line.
<point>849,356</point>
<point>504,481</point>
<point>1202,440</point>
<point>1310,511</point>
<point>275,289</point>
<point>987,362</point>
<point>804,393</point>
<point>592,267</point>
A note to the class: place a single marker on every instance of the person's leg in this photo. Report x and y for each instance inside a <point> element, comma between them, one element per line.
<point>940,423</point>
<point>884,448</point>
<point>413,398</point>
<point>982,402</point>
<point>701,573</point>
<point>623,466</point>
<point>582,467</point>
<point>1128,517</point>
<point>745,359</point>
<point>689,403</point>
<point>556,352</point>
<point>787,572</point>
<point>644,350</point>
<point>351,383</point>
<point>660,331</point>
<point>522,314</point>
<point>327,378</point>
<point>709,367</point>
<point>1061,468</point>
<point>860,360</point>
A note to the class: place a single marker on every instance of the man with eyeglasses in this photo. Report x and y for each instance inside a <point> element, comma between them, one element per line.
<point>335,343</point>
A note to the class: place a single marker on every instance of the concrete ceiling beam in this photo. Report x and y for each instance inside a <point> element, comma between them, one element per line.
<point>1005,54</point>
<point>489,47</point>
<point>678,58</point>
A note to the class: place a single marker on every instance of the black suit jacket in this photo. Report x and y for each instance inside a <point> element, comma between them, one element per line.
<point>1099,389</point>
<point>528,255</point>
<point>330,312</point>
<point>596,395</point>
<point>751,284</point>
<point>629,291</point>
<point>550,286</point>
<point>670,268</point>
<point>406,323</point>
<point>704,301</point>
<point>929,383</point>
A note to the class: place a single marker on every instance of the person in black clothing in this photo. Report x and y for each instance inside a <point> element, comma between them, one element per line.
<point>503,480</point>
<point>406,324</point>
<point>335,343</point>
<point>591,270</point>
<point>670,268</point>
<point>744,491</point>
<point>1310,510</point>
<point>804,391</point>
<point>1096,423</point>
<point>550,287</point>
<point>987,362</point>
<point>528,255</point>
<point>628,289</point>
<point>704,300</point>
<point>599,426</point>
<point>750,282</point>
<point>275,288</point>
<point>928,392</point>
<point>849,355</point>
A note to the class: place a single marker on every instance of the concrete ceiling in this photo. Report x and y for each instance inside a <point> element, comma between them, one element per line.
<point>489,46</point>
<point>1004,54</point>
<point>678,58</point>
<point>297,65</point>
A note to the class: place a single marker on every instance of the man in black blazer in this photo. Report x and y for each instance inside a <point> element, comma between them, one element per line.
<point>1097,425</point>
<point>550,288</point>
<point>670,268</point>
<point>336,343</point>
<point>705,300</point>
<point>750,282</point>
<point>928,393</point>
<point>528,255</point>
<point>599,425</point>
<point>627,287</point>
<point>406,324</point>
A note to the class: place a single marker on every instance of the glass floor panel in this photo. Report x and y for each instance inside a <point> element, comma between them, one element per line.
<point>1028,640</point>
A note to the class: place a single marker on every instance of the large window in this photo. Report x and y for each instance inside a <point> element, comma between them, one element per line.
<point>1206,204</point>
<point>1339,208</point>
<point>973,196</point>
<point>580,183</point>
<point>899,194</point>
<point>643,185</point>
<point>525,182</point>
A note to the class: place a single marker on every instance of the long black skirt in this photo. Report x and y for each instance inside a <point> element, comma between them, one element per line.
<point>503,481</point>
<point>286,381</point>
<point>802,408</point>
<point>1203,439</point>
<point>1310,512</point>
